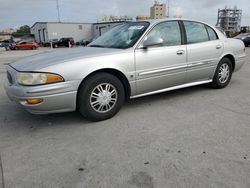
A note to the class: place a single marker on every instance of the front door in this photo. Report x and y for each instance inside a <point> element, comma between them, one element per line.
<point>160,67</point>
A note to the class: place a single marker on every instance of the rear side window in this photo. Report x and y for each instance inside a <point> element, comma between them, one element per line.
<point>211,33</point>
<point>196,32</point>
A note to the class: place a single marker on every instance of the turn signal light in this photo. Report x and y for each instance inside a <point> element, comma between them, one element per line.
<point>34,101</point>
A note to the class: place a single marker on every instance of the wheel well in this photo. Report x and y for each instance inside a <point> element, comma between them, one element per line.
<point>232,59</point>
<point>117,74</point>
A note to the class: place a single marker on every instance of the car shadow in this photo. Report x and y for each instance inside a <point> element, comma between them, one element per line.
<point>16,116</point>
<point>167,95</point>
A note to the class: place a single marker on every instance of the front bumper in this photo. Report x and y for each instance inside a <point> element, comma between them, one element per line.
<point>59,97</point>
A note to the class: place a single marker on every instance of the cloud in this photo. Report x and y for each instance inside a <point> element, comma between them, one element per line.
<point>20,12</point>
<point>177,12</point>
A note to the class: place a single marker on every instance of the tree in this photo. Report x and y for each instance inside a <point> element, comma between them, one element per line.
<point>24,29</point>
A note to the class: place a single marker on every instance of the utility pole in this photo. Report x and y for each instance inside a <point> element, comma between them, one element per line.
<point>167,2</point>
<point>58,10</point>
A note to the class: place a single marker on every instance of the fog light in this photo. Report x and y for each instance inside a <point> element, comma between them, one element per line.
<point>34,101</point>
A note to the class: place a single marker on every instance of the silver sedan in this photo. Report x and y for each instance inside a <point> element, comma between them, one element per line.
<point>132,60</point>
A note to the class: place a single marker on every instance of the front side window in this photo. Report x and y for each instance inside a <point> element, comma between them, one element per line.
<point>169,32</point>
<point>122,36</point>
<point>196,32</point>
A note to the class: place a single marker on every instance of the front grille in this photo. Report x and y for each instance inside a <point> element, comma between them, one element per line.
<point>9,78</point>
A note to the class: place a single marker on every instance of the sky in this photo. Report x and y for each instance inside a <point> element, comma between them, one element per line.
<point>14,13</point>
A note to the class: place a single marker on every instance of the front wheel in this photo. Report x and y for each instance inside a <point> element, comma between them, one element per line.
<point>222,74</point>
<point>100,97</point>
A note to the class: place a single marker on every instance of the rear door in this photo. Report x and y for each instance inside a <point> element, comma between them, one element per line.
<point>160,67</point>
<point>203,51</point>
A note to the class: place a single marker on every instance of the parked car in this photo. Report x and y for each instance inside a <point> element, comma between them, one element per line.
<point>245,37</point>
<point>83,42</point>
<point>23,45</point>
<point>54,43</point>
<point>7,44</point>
<point>132,60</point>
<point>64,42</point>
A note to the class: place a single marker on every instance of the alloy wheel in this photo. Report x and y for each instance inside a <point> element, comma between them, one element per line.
<point>103,97</point>
<point>224,72</point>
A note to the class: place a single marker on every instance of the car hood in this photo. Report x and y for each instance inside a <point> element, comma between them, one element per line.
<point>36,62</point>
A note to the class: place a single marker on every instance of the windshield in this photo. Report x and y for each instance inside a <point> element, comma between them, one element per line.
<point>122,36</point>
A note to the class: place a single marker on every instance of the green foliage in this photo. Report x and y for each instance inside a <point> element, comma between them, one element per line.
<point>24,29</point>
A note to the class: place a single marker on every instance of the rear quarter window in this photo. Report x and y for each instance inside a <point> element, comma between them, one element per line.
<point>212,34</point>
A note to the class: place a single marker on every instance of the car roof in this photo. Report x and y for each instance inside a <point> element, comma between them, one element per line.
<point>170,19</point>
<point>155,21</point>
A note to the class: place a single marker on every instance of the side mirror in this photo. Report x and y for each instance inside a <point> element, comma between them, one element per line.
<point>152,41</point>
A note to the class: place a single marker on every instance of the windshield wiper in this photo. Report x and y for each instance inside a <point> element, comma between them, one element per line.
<point>95,45</point>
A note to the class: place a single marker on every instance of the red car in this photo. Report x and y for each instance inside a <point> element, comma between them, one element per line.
<point>26,46</point>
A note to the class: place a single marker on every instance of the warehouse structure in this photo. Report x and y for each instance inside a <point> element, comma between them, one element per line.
<point>46,31</point>
<point>229,19</point>
<point>102,27</point>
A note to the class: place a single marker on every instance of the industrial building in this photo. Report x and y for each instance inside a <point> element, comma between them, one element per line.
<point>111,18</point>
<point>229,19</point>
<point>45,31</point>
<point>138,18</point>
<point>158,11</point>
<point>102,27</point>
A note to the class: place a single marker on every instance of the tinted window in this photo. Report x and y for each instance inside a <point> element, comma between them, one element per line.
<point>196,32</point>
<point>169,32</point>
<point>211,33</point>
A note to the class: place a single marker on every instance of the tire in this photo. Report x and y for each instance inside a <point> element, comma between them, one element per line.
<point>100,97</point>
<point>222,74</point>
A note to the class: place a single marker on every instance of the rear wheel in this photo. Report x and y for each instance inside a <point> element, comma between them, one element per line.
<point>100,97</point>
<point>222,74</point>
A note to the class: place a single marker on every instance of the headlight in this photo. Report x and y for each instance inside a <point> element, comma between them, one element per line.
<point>29,79</point>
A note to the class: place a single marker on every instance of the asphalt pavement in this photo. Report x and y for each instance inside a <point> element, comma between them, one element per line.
<point>195,137</point>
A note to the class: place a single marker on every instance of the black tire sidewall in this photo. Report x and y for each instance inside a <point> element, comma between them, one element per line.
<point>87,87</point>
<point>216,82</point>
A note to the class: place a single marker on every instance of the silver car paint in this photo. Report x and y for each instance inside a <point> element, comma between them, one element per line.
<point>145,75</point>
<point>159,73</point>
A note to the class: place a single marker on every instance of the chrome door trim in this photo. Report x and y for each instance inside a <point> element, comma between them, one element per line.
<point>162,70</point>
<point>194,64</point>
<point>172,88</point>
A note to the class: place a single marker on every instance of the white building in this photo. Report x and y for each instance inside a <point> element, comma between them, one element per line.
<point>102,27</point>
<point>45,31</point>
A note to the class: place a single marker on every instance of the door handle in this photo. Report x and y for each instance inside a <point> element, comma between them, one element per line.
<point>218,47</point>
<point>180,52</point>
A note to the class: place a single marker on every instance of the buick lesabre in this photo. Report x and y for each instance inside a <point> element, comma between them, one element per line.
<point>133,59</point>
